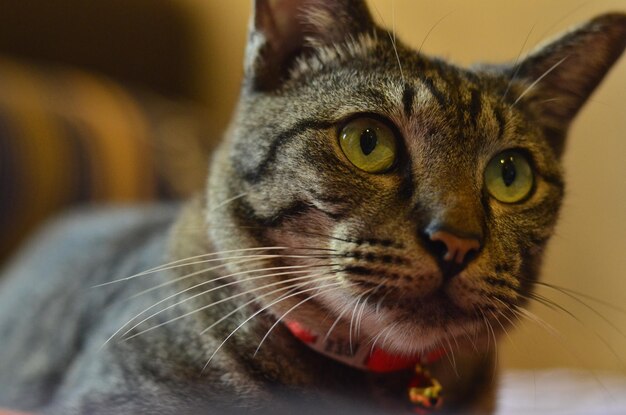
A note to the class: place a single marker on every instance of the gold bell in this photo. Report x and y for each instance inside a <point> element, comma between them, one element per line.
<point>424,390</point>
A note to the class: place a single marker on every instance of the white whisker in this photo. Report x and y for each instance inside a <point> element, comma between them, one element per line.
<point>495,342</point>
<point>324,276</point>
<point>504,330</point>
<point>227,201</point>
<point>337,320</point>
<point>212,304</point>
<point>354,310</point>
<point>382,346</point>
<point>419,50</point>
<point>359,316</point>
<point>392,38</point>
<point>356,304</point>
<point>587,306</point>
<point>247,303</point>
<point>516,65</point>
<point>336,284</point>
<point>522,312</point>
<point>164,266</point>
<point>281,318</point>
<point>452,358</point>
<point>250,258</point>
<point>531,86</point>
<point>557,307</point>
<point>562,18</point>
<point>180,302</point>
<point>387,330</point>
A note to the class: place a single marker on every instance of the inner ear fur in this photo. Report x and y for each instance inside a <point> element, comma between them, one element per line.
<point>567,70</point>
<point>282,30</point>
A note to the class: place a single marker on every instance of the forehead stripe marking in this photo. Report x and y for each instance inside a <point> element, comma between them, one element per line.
<point>501,122</point>
<point>408,95</point>
<point>293,210</point>
<point>439,96</point>
<point>475,106</point>
<point>256,174</point>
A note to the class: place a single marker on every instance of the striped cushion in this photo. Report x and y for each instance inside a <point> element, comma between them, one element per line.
<point>68,137</point>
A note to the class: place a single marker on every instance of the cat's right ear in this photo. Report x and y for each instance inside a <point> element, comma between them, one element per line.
<point>561,75</point>
<point>282,30</point>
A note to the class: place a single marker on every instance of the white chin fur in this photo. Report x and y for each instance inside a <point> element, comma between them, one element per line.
<point>382,327</point>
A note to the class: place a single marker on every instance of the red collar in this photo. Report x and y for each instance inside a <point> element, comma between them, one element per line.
<point>423,391</point>
<point>360,356</point>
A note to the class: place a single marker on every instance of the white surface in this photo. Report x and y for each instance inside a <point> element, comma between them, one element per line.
<point>562,392</point>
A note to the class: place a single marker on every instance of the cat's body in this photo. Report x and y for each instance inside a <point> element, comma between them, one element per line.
<point>364,191</point>
<point>67,370</point>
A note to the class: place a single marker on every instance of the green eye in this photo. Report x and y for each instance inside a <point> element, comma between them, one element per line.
<point>369,144</point>
<point>509,177</point>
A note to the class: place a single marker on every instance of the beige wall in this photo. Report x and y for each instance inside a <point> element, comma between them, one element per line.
<point>588,252</point>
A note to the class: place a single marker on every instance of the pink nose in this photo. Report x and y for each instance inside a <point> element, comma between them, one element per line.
<point>457,247</point>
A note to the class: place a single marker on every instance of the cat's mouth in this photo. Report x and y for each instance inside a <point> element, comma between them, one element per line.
<point>435,309</point>
<point>396,287</point>
<point>452,309</point>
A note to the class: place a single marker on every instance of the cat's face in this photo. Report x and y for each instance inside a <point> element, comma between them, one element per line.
<point>412,195</point>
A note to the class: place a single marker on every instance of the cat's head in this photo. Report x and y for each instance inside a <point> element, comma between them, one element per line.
<point>396,189</point>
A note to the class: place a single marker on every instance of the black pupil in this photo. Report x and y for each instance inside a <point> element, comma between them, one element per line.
<point>368,141</point>
<point>508,171</point>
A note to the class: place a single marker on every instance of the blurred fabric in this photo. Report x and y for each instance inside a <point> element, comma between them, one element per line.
<point>96,106</point>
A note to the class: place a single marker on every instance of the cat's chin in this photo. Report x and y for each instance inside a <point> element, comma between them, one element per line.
<point>409,326</point>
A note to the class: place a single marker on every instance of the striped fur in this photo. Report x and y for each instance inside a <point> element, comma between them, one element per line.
<point>357,241</point>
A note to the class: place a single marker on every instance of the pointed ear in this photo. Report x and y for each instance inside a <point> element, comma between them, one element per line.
<point>282,30</point>
<point>563,74</point>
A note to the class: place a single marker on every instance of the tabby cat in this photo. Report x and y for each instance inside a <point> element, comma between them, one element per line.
<point>372,221</point>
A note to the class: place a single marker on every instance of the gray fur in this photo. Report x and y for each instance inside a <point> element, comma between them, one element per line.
<point>281,179</point>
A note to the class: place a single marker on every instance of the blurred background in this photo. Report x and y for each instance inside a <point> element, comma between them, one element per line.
<point>122,101</point>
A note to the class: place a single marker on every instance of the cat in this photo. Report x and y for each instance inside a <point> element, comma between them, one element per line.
<point>372,221</point>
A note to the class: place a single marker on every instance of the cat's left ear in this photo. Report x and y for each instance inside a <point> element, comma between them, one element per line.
<point>282,30</point>
<point>563,74</point>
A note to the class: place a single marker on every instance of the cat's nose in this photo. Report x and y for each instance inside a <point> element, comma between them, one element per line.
<point>456,248</point>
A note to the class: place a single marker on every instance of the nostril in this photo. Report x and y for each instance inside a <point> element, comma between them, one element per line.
<point>457,249</point>
<point>437,248</point>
